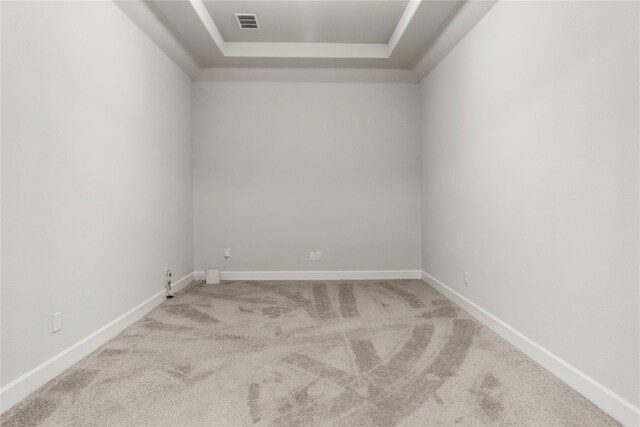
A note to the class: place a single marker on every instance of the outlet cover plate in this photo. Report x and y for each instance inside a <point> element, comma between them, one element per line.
<point>57,322</point>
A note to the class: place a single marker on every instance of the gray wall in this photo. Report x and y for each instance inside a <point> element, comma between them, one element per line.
<point>96,174</point>
<point>281,169</point>
<point>531,184</point>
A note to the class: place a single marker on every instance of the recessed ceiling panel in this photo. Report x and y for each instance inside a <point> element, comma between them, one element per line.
<point>428,21</point>
<point>309,21</point>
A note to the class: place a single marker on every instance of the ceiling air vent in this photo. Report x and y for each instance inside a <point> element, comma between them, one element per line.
<point>247,21</point>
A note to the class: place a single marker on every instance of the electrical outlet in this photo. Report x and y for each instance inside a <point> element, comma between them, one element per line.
<point>227,253</point>
<point>318,256</point>
<point>57,322</point>
<point>312,256</point>
<point>466,278</point>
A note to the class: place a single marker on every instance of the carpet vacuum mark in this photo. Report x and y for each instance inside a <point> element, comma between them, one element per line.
<point>344,353</point>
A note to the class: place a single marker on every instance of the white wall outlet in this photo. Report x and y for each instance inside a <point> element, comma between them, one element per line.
<point>57,322</point>
<point>466,278</point>
<point>312,256</point>
<point>318,256</point>
<point>227,253</point>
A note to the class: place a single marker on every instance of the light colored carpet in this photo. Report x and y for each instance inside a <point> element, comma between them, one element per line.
<point>307,353</point>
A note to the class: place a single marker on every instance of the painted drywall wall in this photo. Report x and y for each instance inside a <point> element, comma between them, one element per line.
<point>531,179</point>
<point>96,174</point>
<point>281,169</point>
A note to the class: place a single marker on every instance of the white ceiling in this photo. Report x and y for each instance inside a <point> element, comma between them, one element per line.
<point>312,21</point>
<point>202,36</point>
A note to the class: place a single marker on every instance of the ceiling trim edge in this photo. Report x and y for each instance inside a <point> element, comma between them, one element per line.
<point>140,13</point>
<point>467,16</point>
<point>319,75</point>
<point>403,23</point>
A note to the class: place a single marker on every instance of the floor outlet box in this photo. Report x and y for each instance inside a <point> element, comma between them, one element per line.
<point>213,277</point>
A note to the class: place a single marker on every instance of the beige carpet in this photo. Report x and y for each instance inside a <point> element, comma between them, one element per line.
<point>307,353</point>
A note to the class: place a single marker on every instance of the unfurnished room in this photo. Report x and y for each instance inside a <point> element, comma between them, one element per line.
<point>320,213</point>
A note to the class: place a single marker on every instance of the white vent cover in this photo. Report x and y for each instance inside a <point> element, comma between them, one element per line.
<point>247,21</point>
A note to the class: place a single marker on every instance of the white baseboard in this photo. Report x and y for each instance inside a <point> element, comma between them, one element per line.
<point>320,275</point>
<point>26,384</point>
<point>613,404</point>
